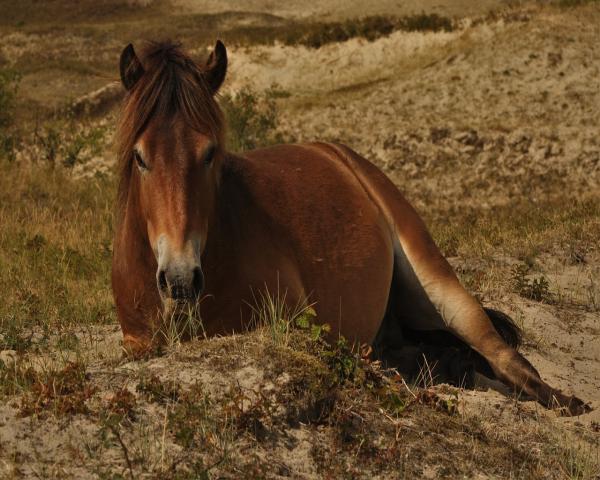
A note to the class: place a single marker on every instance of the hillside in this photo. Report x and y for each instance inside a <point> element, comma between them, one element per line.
<point>486,115</point>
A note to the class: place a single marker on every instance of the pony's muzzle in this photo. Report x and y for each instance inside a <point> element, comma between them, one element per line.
<point>180,283</point>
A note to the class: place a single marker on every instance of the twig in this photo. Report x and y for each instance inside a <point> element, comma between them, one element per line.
<point>116,433</point>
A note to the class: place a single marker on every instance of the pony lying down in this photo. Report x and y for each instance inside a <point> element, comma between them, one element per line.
<point>318,221</point>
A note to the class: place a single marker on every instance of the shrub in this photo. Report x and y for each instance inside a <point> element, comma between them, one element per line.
<point>251,119</point>
<point>9,82</point>
<point>369,28</point>
<point>65,142</point>
<point>536,289</point>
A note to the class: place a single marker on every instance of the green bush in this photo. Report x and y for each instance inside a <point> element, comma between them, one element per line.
<point>70,143</point>
<point>251,119</point>
<point>369,28</point>
<point>9,82</point>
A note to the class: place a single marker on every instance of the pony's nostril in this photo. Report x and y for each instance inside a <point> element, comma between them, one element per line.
<point>198,281</point>
<point>162,280</point>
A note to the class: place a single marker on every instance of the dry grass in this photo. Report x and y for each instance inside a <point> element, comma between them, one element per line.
<point>55,249</point>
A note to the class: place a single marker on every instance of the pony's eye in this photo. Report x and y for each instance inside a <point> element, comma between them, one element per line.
<point>209,154</point>
<point>139,160</point>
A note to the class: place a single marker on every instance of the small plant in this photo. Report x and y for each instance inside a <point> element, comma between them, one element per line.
<point>537,289</point>
<point>195,423</point>
<point>424,22</point>
<point>50,141</point>
<point>158,391</point>
<point>122,404</point>
<point>64,392</point>
<point>64,142</point>
<point>342,360</point>
<point>272,314</point>
<point>13,336</point>
<point>15,378</point>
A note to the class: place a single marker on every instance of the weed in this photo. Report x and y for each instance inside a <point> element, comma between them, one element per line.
<point>54,252</point>
<point>179,323</point>
<point>69,143</point>
<point>13,337</point>
<point>158,391</point>
<point>122,404</point>
<point>536,289</point>
<point>342,360</point>
<point>16,378</point>
<point>249,413</point>
<point>197,425</point>
<point>426,23</point>
<point>63,392</point>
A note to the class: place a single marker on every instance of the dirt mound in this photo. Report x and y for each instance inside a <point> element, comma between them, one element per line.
<point>217,409</point>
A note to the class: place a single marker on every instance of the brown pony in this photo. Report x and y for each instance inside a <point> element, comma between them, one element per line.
<point>316,220</point>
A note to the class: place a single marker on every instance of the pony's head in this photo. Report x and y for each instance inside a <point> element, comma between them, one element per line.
<point>170,148</point>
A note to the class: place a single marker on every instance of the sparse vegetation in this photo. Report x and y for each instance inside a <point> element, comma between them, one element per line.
<point>55,244</point>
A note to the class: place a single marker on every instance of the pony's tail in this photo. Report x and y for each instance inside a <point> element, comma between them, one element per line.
<point>503,324</point>
<point>510,333</point>
<point>506,327</point>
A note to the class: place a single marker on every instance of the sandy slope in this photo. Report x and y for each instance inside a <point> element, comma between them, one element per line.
<point>486,112</point>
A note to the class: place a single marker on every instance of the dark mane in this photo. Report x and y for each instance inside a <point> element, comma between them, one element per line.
<point>171,84</point>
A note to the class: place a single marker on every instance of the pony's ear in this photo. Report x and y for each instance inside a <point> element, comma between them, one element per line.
<point>216,67</point>
<point>130,67</point>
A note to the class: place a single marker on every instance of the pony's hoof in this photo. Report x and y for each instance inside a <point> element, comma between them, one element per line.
<point>137,348</point>
<point>573,407</point>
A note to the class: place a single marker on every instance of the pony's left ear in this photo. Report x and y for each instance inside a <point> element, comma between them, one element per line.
<point>130,67</point>
<point>216,67</point>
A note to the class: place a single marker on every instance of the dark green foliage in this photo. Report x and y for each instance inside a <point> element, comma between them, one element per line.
<point>536,289</point>
<point>369,28</point>
<point>9,82</point>
<point>574,3</point>
<point>65,141</point>
<point>251,119</point>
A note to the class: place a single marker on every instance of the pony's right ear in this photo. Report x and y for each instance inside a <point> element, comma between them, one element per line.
<point>130,67</point>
